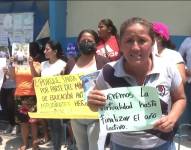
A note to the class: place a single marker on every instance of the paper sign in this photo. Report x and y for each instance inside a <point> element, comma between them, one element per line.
<point>61,97</point>
<point>129,109</point>
<point>20,52</point>
<point>88,82</point>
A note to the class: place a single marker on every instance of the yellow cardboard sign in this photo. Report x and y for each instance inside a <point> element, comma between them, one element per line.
<point>61,97</point>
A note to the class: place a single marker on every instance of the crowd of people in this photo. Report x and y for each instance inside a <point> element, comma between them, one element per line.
<point>142,54</point>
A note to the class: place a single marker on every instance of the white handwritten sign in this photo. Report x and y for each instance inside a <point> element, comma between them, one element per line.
<point>129,109</point>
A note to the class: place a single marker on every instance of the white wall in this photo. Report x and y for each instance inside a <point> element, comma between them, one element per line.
<point>86,14</point>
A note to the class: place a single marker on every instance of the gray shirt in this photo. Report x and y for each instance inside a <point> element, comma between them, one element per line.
<point>185,51</point>
<point>9,83</point>
<point>165,77</point>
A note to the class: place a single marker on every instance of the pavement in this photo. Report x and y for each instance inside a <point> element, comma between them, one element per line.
<point>12,142</point>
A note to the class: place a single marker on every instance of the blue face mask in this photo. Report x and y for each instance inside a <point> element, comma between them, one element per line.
<point>87,47</point>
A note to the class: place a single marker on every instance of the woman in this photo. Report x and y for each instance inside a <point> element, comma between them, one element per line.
<point>138,66</point>
<point>52,67</point>
<point>86,130</point>
<point>164,48</point>
<point>108,44</point>
<point>25,100</point>
<point>7,100</point>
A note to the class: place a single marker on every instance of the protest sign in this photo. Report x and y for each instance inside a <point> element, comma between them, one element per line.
<point>61,97</point>
<point>88,82</point>
<point>20,52</point>
<point>129,109</point>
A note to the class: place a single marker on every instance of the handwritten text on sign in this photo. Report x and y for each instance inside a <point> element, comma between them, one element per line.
<point>61,97</point>
<point>130,109</point>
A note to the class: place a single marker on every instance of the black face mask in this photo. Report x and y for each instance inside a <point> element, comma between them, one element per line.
<point>87,47</point>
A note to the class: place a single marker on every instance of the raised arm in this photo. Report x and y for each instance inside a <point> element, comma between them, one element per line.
<point>35,72</point>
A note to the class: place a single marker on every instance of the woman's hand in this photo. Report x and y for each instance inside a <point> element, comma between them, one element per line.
<point>12,59</point>
<point>5,70</point>
<point>96,99</point>
<point>165,124</point>
<point>30,60</point>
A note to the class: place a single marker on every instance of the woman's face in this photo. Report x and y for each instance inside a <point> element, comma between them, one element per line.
<point>103,30</point>
<point>136,44</point>
<point>87,37</point>
<point>49,52</point>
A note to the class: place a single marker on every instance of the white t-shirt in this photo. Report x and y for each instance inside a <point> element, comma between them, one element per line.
<point>169,55</point>
<point>86,70</point>
<point>56,68</point>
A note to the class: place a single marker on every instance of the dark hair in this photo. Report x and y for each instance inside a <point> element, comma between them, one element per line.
<point>36,52</point>
<point>135,20</point>
<point>109,24</point>
<point>90,31</point>
<point>165,43</point>
<point>34,48</point>
<point>56,46</point>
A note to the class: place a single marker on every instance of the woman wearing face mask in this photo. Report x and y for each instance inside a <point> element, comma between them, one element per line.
<point>86,131</point>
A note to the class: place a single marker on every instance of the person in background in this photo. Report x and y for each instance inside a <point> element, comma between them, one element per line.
<point>25,101</point>
<point>1,140</point>
<point>51,67</point>
<point>108,40</point>
<point>86,131</point>
<point>7,100</point>
<point>164,48</point>
<point>139,67</point>
<point>185,51</point>
<point>43,133</point>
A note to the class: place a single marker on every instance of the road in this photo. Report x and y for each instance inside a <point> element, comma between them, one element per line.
<point>12,142</point>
